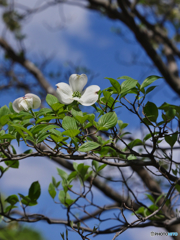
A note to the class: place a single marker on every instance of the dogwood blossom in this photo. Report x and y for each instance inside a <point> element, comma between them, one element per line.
<point>29,101</point>
<point>66,94</point>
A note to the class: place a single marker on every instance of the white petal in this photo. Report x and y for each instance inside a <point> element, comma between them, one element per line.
<point>36,103</point>
<point>16,106</point>
<point>89,96</point>
<point>77,82</point>
<point>64,93</point>
<point>26,104</point>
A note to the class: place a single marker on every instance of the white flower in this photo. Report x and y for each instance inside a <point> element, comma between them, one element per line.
<point>29,101</point>
<point>66,94</point>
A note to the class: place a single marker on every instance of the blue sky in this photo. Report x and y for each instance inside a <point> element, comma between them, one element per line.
<point>86,38</point>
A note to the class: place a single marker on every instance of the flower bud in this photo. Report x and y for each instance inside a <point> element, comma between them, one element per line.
<point>29,101</point>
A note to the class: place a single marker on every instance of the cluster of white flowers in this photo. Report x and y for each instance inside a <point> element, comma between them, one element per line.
<point>66,94</point>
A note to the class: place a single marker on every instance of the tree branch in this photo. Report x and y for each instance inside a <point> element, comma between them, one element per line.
<point>28,65</point>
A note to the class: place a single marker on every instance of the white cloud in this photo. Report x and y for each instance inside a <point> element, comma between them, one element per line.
<point>42,36</point>
<point>52,30</point>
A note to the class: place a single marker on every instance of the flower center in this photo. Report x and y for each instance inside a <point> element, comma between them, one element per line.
<point>76,94</point>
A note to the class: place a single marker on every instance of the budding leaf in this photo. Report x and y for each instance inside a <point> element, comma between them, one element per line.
<point>52,190</point>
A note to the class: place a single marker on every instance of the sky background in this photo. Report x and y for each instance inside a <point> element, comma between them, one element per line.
<point>87,38</point>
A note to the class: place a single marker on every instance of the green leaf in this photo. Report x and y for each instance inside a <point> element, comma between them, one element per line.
<point>48,118</point>
<point>107,121</point>
<point>11,108</point>
<point>79,116</point>
<point>13,199</point>
<point>177,186</point>
<point>2,132</point>
<point>132,157</point>
<point>58,139</point>
<point>69,201</point>
<point>91,117</point>
<point>78,225</point>
<point>37,128</point>
<point>34,191</point>
<point>71,132</point>
<point>95,164</point>
<point>107,95</point>
<point>151,111</point>
<point>134,143</point>
<point>13,149</point>
<point>7,136</point>
<point>75,165</point>
<point>52,190</point>
<point>43,111</point>
<point>140,211</point>
<point>12,164</point>
<point>171,140</point>
<point>4,111</point>
<point>65,198</point>
<point>50,99</point>
<point>127,85</point>
<point>62,173</point>
<point>165,106</point>
<point>109,102</point>
<point>54,181</point>
<point>115,84</point>
<point>28,151</point>
<point>87,175</point>
<point>152,208</point>
<point>62,235</point>
<point>88,146</point>
<point>150,198</point>
<point>49,127</point>
<point>157,200</point>
<point>168,201</point>
<point>81,119</point>
<point>170,114</point>
<point>56,132</point>
<point>4,120</point>
<point>101,167</point>
<point>27,201</point>
<point>174,171</point>
<point>82,169</point>
<point>31,139</point>
<point>9,208</point>
<point>76,113</point>
<point>42,137</point>
<point>69,123</point>
<point>121,124</point>
<point>57,106</point>
<point>71,224</point>
<point>72,176</point>
<point>18,126</point>
<point>150,89</point>
<point>148,136</point>
<point>149,80</point>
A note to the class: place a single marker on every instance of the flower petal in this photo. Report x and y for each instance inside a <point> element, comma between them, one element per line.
<point>17,108</point>
<point>64,93</point>
<point>89,96</point>
<point>26,104</point>
<point>36,101</point>
<point>77,82</point>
